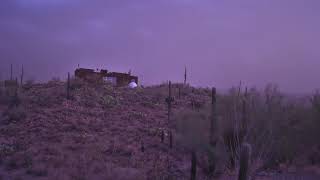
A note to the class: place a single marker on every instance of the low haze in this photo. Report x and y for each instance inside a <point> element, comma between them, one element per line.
<point>220,41</point>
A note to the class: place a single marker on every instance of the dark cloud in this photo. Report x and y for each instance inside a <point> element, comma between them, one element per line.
<point>221,42</point>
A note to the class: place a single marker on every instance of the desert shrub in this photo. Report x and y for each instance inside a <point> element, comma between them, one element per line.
<point>134,115</point>
<point>14,114</point>
<point>28,84</point>
<point>192,129</point>
<point>109,101</point>
<point>76,83</point>
<point>46,96</point>
<point>88,96</point>
<point>149,104</point>
<point>10,97</point>
<point>5,150</point>
<point>54,80</point>
<point>157,94</point>
<point>1,89</point>
<point>278,127</point>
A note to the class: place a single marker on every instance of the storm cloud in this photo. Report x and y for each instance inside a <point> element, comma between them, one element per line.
<point>220,41</point>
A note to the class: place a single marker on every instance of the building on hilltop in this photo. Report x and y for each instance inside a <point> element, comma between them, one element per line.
<point>116,78</point>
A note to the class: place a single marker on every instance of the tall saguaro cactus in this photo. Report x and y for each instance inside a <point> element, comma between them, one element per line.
<point>244,171</point>
<point>11,78</point>
<point>213,116</point>
<point>244,120</point>
<point>21,76</point>
<point>213,138</point>
<point>185,75</point>
<point>193,165</point>
<point>68,87</point>
<point>169,101</point>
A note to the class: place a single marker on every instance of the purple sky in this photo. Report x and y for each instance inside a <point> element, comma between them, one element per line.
<point>220,41</point>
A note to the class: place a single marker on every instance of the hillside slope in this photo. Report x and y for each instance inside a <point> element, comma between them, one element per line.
<point>101,132</point>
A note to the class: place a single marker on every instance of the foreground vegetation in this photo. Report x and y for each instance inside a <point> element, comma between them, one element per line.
<point>79,130</point>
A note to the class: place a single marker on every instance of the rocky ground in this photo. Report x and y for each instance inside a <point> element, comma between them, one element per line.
<point>101,132</point>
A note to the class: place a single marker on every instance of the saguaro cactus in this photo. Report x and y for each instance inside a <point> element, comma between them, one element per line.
<point>193,165</point>
<point>21,76</point>
<point>68,87</point>
<point>244,120</point>
<point>185,75</point>
<point>213,116</point>
<point>169,100</point>
<point>213,138</point>
<point>15,101</point>
<point>244,171</point>
<point>11,78</point>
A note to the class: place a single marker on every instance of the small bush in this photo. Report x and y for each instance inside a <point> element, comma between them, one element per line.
<point>14,114</point>
<point>28,84</point>
<point>109,101</point>
<point>6,149</point>
<point>192,129</point>
<point>76,83</point>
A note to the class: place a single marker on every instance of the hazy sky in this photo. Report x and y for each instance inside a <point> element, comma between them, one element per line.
<point>220,41</point>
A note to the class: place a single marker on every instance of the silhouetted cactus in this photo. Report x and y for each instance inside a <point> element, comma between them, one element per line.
<point>21,76</point>
<point>193,165</point>
<point>169,101</point>
<point>14,97</point>
<point>68,87</point>
<point>213,118</point>
<point>213,138</point>
<point>245,156</point>
<point>315,100</point>
<point>244,120</point>
<point>11,73</point>
<point>185,75</point>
